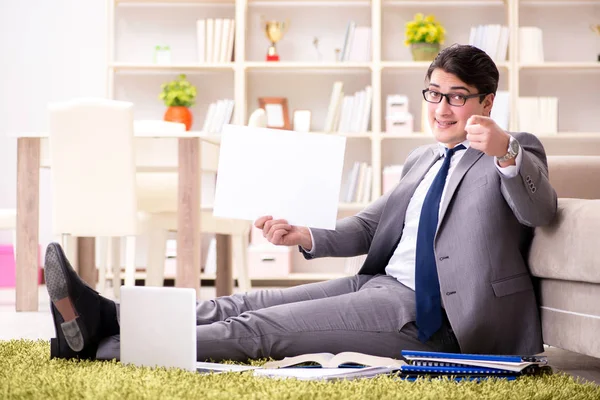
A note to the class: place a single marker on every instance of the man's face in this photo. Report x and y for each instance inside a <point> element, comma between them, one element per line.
<point>447,121</point>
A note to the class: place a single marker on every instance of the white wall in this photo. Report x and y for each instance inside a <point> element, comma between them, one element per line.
<point>50,51</point>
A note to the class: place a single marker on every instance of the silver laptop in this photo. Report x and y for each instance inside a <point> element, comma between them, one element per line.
<point>158,327</point>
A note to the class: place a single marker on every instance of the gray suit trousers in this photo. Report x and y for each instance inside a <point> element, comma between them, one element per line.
<point>362,313</point>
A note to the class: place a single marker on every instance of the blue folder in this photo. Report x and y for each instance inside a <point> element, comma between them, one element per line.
<point>454,370</point>
<point>477,357</point>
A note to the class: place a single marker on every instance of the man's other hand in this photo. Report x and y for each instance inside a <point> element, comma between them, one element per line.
<point>279,232</point>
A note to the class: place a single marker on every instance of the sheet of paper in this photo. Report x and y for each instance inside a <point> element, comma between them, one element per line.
<point>207,367</point>
<point>309,374</point>
<point>291,175</point>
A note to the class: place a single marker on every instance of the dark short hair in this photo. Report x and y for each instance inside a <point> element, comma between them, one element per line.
<point>470,64</point>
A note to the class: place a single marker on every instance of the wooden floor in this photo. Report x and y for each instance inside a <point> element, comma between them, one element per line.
<point>38,325</point>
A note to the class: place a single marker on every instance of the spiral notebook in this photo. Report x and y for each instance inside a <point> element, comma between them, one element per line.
<point>512,363</point>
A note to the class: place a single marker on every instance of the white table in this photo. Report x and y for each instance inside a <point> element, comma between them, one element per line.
<point>179,152</point>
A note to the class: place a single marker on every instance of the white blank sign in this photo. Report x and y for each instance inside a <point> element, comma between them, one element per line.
<point>290,175</point>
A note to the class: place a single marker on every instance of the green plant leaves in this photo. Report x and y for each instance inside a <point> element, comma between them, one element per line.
<point>178,93</point>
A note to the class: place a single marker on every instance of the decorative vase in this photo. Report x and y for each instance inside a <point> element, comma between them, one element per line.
<point>424,51</point>
<point>179,114</point>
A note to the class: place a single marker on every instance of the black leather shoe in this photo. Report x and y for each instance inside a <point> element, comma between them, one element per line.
<point>81,316</point>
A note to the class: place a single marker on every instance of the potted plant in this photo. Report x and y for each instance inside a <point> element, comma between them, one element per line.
<point>424,35</point>
<point>178,95</point>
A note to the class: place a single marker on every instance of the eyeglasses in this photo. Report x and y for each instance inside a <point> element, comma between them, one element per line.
<point>454,99</point>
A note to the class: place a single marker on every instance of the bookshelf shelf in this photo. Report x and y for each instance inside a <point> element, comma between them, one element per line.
<point>301,66</point>
<point>419,65</point>
<point>310,3</point>
<point>448,3</point>
<point>307,84</point>
<point>570,136</point>
<point>353,135</point>
<point>422,65</point>
<point>414,136</point>
<point>117,67</point>
<point>562,65</point>
<point>175,2</point>
<point>557,2</point>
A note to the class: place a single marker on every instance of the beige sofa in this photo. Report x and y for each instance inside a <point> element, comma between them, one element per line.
<point>565,256</point>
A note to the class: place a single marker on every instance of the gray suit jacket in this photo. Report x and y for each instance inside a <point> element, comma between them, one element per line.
<point>481,244</point>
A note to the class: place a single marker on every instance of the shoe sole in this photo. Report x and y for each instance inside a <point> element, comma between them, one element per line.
<point>63,310</point>
<point>57,284</point>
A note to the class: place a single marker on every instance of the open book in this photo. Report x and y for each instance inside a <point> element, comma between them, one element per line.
<point>328,360</point>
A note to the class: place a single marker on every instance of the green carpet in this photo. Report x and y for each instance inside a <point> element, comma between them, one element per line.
<point>26,372</point>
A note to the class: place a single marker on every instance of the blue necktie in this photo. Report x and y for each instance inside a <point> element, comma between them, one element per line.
<point>427,285</point>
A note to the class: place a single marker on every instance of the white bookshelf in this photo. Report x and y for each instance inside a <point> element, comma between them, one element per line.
<point>570,71</point>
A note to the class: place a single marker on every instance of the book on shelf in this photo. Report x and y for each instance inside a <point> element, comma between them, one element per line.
<point>348,113</point>
<point>357,43</point>
<point>493,39</point>
<point>531,45</point>
<point>538,115</point>
<point>218,114</point>
<point>501,110</point>
<point>215,39</point>
<point>359,183</point>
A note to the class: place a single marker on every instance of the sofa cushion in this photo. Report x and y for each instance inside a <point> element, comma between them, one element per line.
<point>567,248</point>
<point>570,314</point>
<point>575,176</point>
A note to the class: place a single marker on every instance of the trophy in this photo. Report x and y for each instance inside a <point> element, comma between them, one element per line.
<point>596,28</point>
<point>274,31</point>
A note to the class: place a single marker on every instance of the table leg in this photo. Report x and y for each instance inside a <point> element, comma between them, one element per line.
<point>224,279</point>
<point>188,215</point>
<point>28,200</point>
<point>86,259</point>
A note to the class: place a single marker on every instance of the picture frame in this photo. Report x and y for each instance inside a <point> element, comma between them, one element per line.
<point>276,109</point>
<point>301,120</point>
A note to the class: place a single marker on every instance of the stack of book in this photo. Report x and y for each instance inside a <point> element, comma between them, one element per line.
<point>531,45</point>
<point>214,40</point>
<point>219,113</point>
<point>493,39</point>
<point>538,115</point>
<point>469,366</point>
<point>359,183</point>
<point>357,43</point>
<point>348,113</point>
<point>418,364</point>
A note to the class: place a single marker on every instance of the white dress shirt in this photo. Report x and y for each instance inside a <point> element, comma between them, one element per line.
<point>402,263</point>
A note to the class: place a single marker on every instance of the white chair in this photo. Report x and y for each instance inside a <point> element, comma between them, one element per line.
<point>8,221</point>
<point>258,118</point>
<point>93,176</point>
<point>97,192</point>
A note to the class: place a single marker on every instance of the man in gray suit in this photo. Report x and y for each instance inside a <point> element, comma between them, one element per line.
<point>446,252</point>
